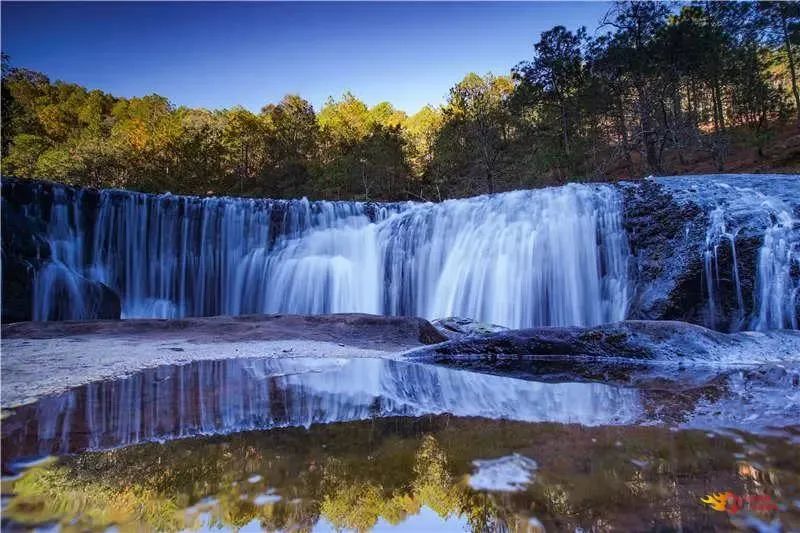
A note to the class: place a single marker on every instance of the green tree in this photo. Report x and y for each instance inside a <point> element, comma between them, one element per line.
<point>782,24</point>
<point>244,139</point>
<point>24,155</point>
<point>476,132</point>
<point>292,147</point>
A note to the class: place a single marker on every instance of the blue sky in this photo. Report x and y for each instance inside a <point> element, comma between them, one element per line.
<point>218,55</point>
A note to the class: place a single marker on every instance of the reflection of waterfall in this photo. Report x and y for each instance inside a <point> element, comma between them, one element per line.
<point>234,395</point>
<point>549,257</point>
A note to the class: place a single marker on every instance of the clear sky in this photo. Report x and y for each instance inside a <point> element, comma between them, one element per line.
<point>218,55</point>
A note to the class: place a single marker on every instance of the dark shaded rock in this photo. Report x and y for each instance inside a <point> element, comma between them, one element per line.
<point>71,295</point>
<point>665,240</point>
<point>17,289</point>
<point>23,249</point>
<point>456,327</point>
<point>632,339</point>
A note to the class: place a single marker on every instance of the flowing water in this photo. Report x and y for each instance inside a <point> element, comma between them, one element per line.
<point>762,207</point>
<point>556,256</point>
<point>548,257</point>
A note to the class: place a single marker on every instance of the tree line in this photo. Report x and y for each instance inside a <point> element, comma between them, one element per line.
<point>653,86</point>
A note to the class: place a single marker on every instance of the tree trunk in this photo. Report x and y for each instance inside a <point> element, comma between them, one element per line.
<point>790,56</point>
<point>716,97</point>
<point>648,135</point>
<point>564,128</point>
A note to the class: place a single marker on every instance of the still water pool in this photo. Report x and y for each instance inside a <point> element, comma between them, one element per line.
<point>325,445</point>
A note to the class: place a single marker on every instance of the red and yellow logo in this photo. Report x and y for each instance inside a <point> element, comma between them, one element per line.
<point>733,503</point>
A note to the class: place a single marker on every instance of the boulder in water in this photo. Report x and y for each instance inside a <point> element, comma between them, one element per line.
<point>630,339</point>
<point>454,327</point>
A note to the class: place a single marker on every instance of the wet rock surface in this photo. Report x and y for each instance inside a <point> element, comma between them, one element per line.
<point>456,327</point>
<point>631,339</point>
<point>665,243</point>
<point>696,243</point>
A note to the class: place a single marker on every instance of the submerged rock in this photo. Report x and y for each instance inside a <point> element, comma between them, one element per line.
<point>632,339</point>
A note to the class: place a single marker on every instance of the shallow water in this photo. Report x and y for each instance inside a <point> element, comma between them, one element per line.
<point>324,444</point>
<point>417,474</point>
<point>216,397</point>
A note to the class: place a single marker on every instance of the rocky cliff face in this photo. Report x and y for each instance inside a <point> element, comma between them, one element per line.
<point>721,251</point>
<point>665,244</point>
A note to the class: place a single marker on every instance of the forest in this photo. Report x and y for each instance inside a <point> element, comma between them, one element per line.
<point>654,89</point>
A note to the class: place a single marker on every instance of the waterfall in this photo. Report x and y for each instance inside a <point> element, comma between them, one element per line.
<point>777,291</point>
<point>554,256</point>
<point>716,233</point>
<point>60,291</point>
<point>766,214</point>
<point>548,257</point>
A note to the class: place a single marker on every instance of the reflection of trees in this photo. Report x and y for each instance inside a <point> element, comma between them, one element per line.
<point>376,471</point>
<point>359,504</point>
<point>432,484</point>
<point>131,486</point>
<point>47,493</point>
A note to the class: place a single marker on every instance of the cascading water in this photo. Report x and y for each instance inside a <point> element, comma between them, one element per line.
<point>555,256</point>
<point>716,234</point>
<point>777,291</point>
<point>760,207</point>
<point>59,290</point>
<point>548,257</point>
<point>174,256</point>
